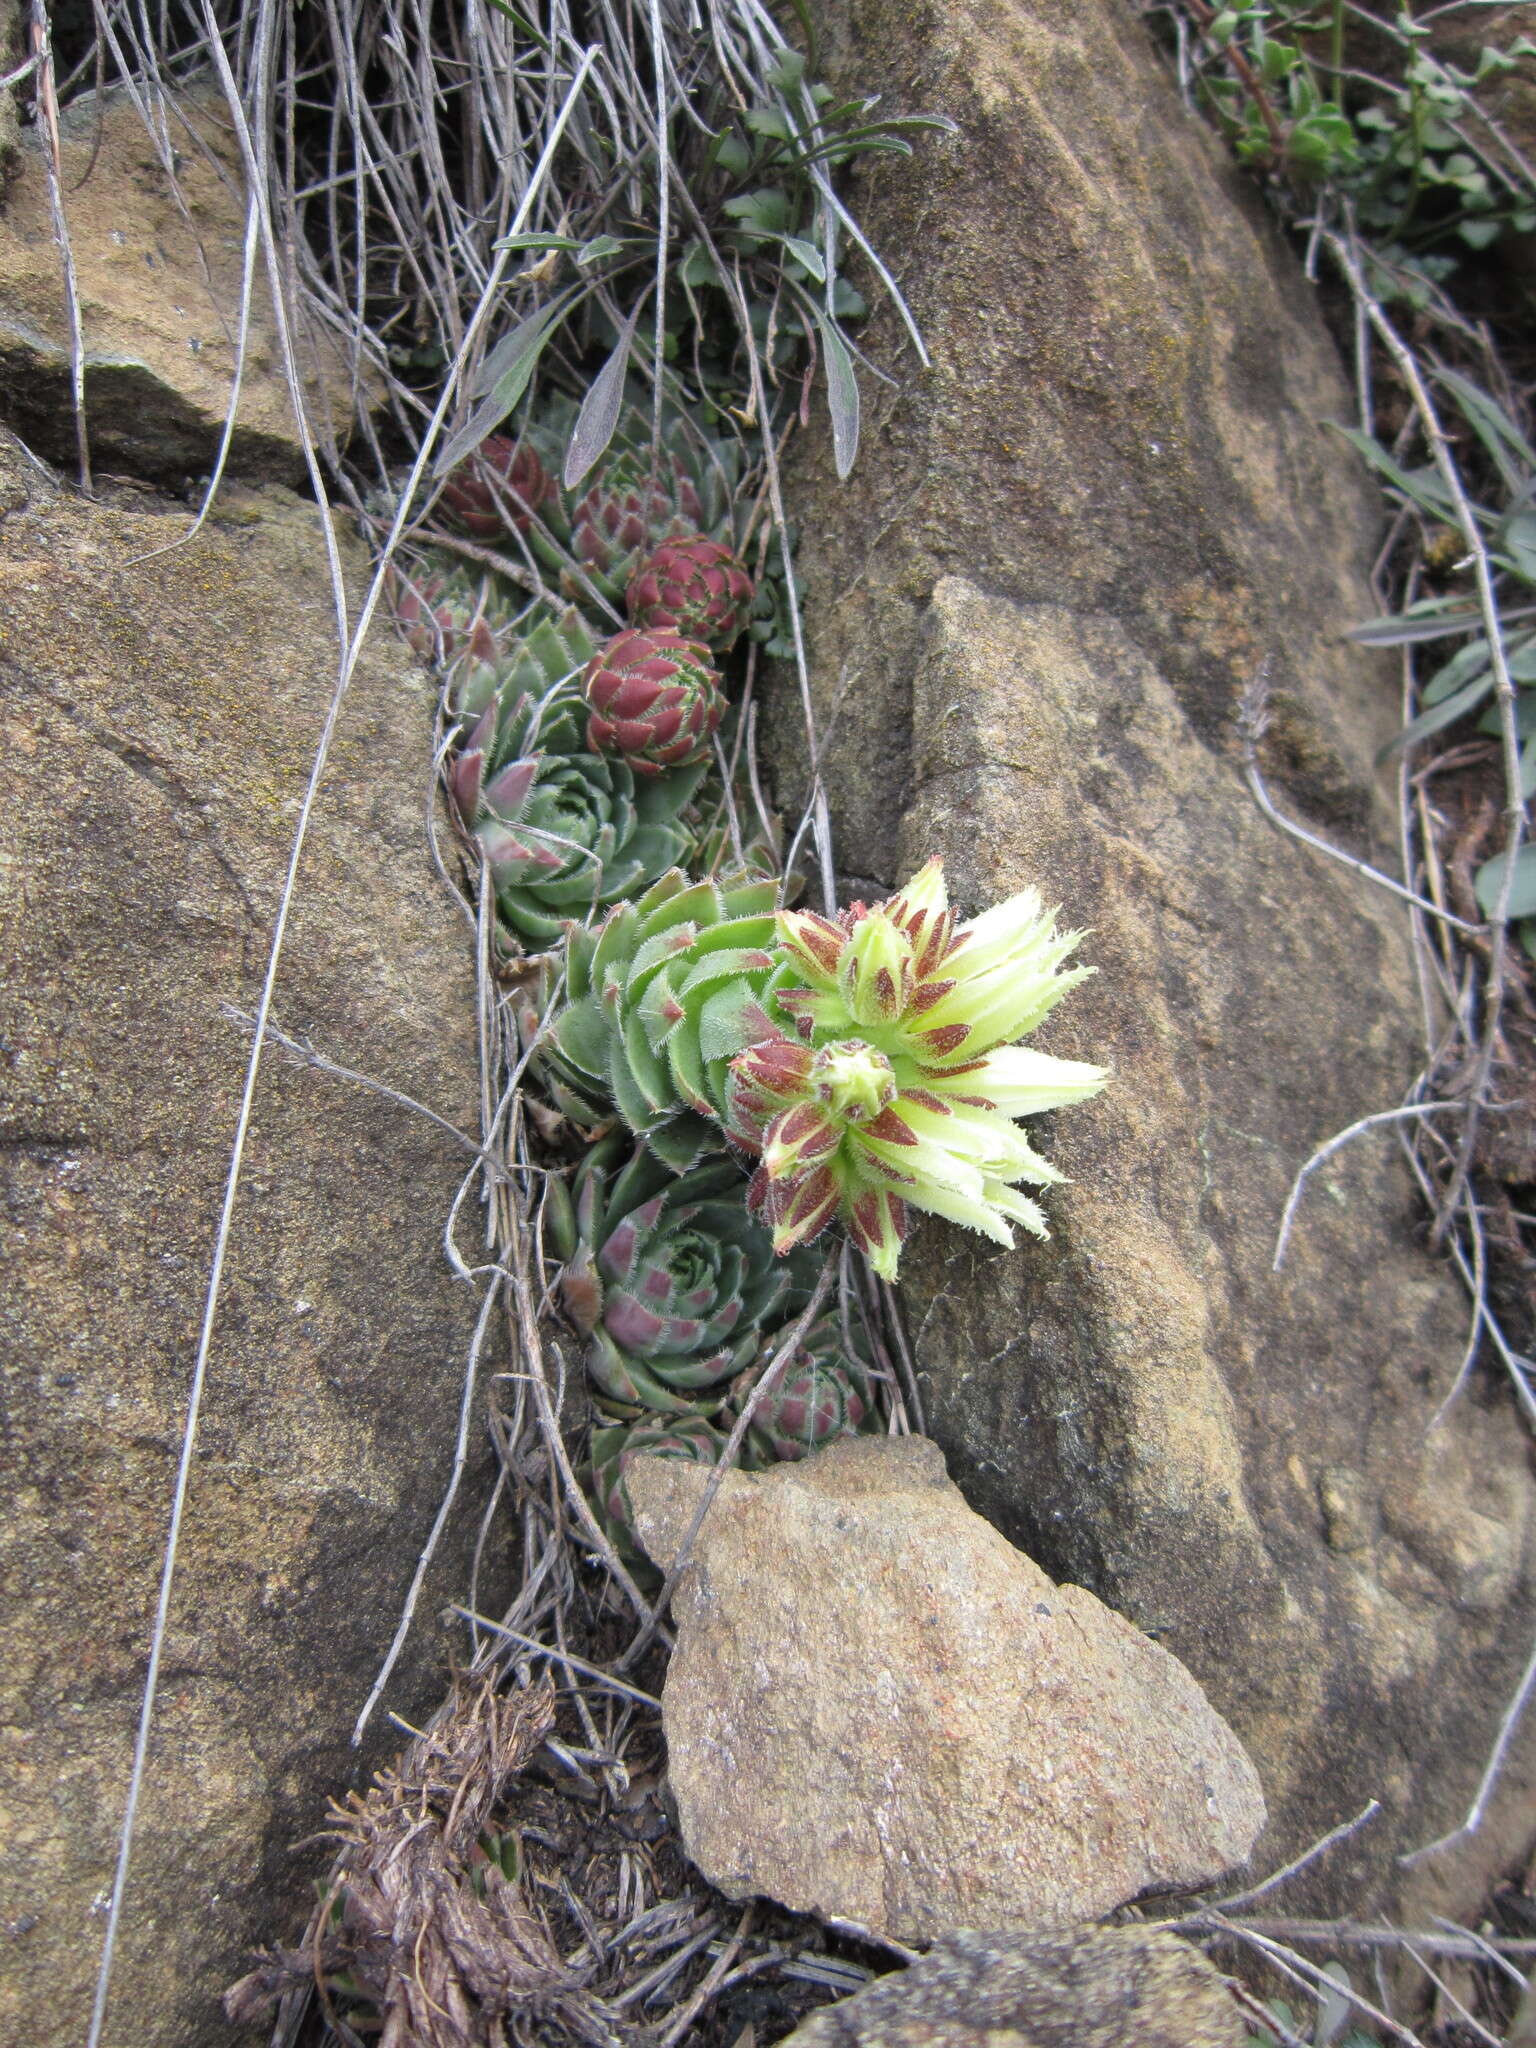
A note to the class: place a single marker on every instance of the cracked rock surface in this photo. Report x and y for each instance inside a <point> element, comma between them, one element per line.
<point>159,714</point>
<point>879,1711</point>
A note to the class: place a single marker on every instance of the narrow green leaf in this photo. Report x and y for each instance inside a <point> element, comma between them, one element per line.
<point>1435,620</point>
<point>1441,716</point>
<point>1493,427</point>
<point>1423,487</point>
<point>842,394</point>
<point>600,409</point>
<point>1489,881</point>
<point>516,242</point>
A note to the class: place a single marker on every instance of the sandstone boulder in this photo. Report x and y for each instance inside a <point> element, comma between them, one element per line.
<point>159,713</point>
<point>881,1712</point>
<point>1063,555</point>
<point>158,265</point>
<point>1094,1987</point>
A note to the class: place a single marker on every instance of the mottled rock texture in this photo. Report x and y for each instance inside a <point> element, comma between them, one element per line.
<point>1094,1987</point>
<point>879,1711</point>
<point>158,272</point>
<point>1062,556</point>
<point>159,715</point>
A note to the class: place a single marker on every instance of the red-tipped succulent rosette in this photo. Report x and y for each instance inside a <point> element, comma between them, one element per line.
<point>496,490</point>
<point>694,586</point>
<point>654,699</point>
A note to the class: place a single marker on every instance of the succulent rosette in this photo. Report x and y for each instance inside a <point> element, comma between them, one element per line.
<point>668,1279</point>
<point>653,1009</point>
<point>643,493</point>
<point>821,1391</point>
<point>496,490</point>
<point>655,700</point>
<point>694,586</point>
<point>614,1448</point>
<point>898,1079</point>
<point>443,614</point>
<point>564,832</point>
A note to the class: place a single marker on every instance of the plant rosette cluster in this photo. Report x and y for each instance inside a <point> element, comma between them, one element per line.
<point>820,1391</point>
<point>655,700</point>
<point>564,832</point>
<point>669,1279</point>
<point>869,1062</point>
<point>614,1448</point>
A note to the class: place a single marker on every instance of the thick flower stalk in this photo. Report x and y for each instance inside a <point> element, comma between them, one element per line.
<point>670,1281</point>
<point>497,490</point>
<point>655,700</point>
<point>563,831</point>
<point>694,586</point>
<point>898,1080</point>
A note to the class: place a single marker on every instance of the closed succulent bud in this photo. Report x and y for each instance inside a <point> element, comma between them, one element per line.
<point>444,615</point>
<point>694,586</point>
<point>496,490</point>
<point>655,700</point>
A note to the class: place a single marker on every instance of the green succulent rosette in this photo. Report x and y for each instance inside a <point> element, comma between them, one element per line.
<point>564,832</point>
<point>821,1391</point>
<point>659,998</point>
<point>669,1279</point>
<point>614,1448</point>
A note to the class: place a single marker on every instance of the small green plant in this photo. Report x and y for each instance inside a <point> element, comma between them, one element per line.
<point>1330,2026</point>
<point>1452,621</point>
<point>1401,152</point>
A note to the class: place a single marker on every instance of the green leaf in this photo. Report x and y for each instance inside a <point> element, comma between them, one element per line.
<point>599,247</point>
<point>808,256</point>
<point>732,153</point>
<point>1434,618</point>
<point>1465,663</point>
<point>1489,882</point>
<point>1441,716</point>
<point>765,211</point>
<point>1517,540</point>
<point>1492,426</point>
<point>1423,487</point>
<point>505,374</point>
<point>537,242</point>
<point>600,409</point>
<point>842,394</point>
<point>788,72</point>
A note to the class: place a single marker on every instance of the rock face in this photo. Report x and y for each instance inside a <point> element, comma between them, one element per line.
<point>159,713</point>
<point>158,271</point>
<point>1095,1987</point>
<point>1062,556</point>
<point>879,1711</point>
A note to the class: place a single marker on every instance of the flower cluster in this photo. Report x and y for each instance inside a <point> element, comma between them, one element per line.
<point>897,1079</point>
